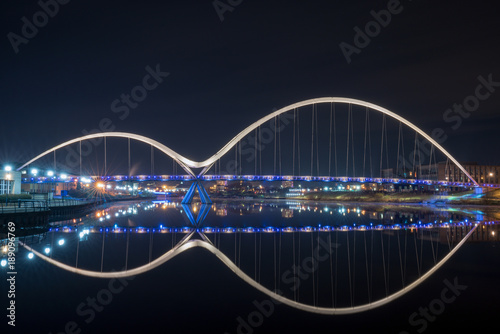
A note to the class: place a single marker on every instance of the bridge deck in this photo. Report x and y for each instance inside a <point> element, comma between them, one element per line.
<point>342,179</point>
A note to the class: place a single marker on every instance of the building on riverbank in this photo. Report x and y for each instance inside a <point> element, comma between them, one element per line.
<point>10,182</point>
<point>445,171</point>
<point>57,188</point>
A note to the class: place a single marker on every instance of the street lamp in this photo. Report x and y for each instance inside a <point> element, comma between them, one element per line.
<point>34,171</point>
<point>8,168</point>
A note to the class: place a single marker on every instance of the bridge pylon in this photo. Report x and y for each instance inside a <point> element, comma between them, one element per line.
<point>188,198</point>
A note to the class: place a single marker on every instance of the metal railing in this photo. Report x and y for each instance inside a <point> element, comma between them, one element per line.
<point>16,208</point>
<point>71,202</point>
<point>24,206</point>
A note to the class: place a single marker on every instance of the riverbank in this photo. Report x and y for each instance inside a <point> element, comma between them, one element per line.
<point>491,198</point>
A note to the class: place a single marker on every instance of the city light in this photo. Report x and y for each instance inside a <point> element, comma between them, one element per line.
<point>50,173</point>
<point>31,255</point>
<point>85,180</point>
<point>34,171</point>
<point>8,168</point>
<point>47,250</point>
<point>64,176</point>
<point>4,249</point>
<point>3,262</point>
<point>61,242</point>
<point>83,233</point>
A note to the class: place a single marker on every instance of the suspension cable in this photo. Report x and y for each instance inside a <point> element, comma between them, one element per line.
<point>317,141</point>
<point>298,137</point>
<point>105,158</point>
<point>129,161</point>
<point>352,143</point>
<point>293,144</point>
<point>330,142</point>
<point>312,140</point>
<point>335,140</point>
<point>348,139</point>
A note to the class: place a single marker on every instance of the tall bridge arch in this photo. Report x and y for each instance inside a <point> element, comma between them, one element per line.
<point>226,148</point>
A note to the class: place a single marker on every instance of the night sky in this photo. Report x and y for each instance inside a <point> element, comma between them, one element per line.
<point>224,75</point>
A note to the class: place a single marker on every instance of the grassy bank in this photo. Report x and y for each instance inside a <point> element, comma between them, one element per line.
<point>465,198</point>
<point>13,198</point>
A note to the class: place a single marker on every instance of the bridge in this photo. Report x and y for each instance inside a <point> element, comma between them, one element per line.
<point>318,140</point>
<point>310,140</point>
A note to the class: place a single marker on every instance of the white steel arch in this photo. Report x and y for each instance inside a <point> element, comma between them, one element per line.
<point>207,163</point>
<point>187,164</point>
<point>181,160</point>
<point>187,244</point>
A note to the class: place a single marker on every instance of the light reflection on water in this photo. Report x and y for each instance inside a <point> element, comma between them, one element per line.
<point>244,214</point>
<point>368,252</point>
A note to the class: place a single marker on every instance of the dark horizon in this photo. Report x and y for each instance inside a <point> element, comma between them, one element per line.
<point>225,75</point>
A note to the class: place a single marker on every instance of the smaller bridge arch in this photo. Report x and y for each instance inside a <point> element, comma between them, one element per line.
<point>184,162</point>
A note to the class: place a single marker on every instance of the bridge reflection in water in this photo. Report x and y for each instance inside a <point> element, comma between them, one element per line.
<point>340,267</point>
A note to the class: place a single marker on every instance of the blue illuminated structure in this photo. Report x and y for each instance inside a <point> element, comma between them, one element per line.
<point>272,178</point>
<point>205,199</point>
<point>205,209</point>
